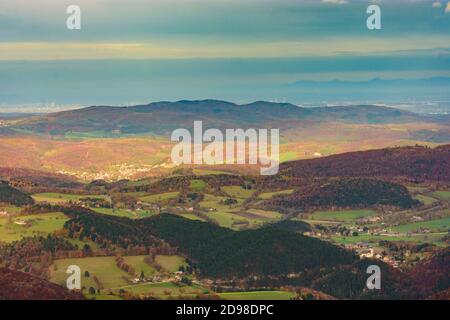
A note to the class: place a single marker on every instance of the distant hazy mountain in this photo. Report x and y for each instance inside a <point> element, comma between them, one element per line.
<point>375,83</point>
<point>163,117</point>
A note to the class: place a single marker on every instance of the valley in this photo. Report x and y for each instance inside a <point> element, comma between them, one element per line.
<point>354,191</point>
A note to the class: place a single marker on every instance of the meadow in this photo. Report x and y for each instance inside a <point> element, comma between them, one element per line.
<point>61,198</point>
<point>348,216</point>
<point>30,225</point>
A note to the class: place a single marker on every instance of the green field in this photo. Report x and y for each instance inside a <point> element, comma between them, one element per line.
<point>265,214</point>
<point>197,185</point>
<point>156,198</point>
<point>258,295</point>
<point>417,189</point>
<point>425,199</point>
<point>140,265</point>
<point>435,225</point>
<point>434,238</point>
<point>170,263</point>
<point>36,225</point>
<point>270,195</point>
<point>112,277</point>
<point>238,192</point>
<point>228,217</point>
<point>104,268</point>
<point>124,213</point>
<point>442,194</point>
<point>342,215</point>
<point>60,198</point>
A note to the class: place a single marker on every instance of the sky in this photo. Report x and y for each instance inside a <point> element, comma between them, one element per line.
<point>139,51</point>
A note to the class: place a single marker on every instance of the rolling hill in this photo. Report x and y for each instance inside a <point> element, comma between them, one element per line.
<point>416,163</point>
<point>163,117</point>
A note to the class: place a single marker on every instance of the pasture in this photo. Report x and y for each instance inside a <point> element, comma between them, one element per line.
<point>30,225</point>
<point>348,216</point>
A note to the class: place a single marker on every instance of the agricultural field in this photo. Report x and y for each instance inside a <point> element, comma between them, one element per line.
<point>270,195</point>
<point>434,238</point>
<point>258,295</point>
<point>61,198</point>
<point>426,200</point>
<point>156,198</point>
<point>445,195</point>
<point>197,185</point>
<point>238,192</point>
<point>170,263</point>
<point>138,214</point>
<point>103,273</point>
<point>348,216</point>
<point>434,225</point>
<point>19,227</point>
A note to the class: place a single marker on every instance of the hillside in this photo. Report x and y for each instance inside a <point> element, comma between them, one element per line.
<point>418,163</point>
<point>215,251</point>
<point>346,193</point>
<point>164,117</point>
<point>13,196</point>
<point>15,285</point>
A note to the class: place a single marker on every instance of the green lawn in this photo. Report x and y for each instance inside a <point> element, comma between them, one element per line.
<point>36,225</point>
<point>270,195</point>
<point>258,295</point>
<point>59,198</point>
<point>342,215</point>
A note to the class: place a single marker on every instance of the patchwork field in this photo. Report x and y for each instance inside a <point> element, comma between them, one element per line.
<point>103,273</point>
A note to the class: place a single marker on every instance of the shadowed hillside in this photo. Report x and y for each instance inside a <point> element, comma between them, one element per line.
<point>16,285</point>
<point>418,163</point>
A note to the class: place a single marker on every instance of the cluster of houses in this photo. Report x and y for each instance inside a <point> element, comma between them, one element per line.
<point>175,277</point>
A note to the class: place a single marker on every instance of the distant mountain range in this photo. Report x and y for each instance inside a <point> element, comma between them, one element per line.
<point>163,117</point>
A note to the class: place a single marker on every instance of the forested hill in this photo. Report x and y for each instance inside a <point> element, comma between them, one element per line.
<point>215,251</point>
<point>13,196</point>
<point>420,163</point>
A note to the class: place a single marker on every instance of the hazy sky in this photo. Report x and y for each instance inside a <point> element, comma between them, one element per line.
<point>211,46</point>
